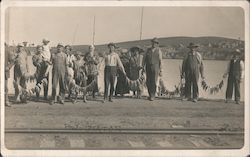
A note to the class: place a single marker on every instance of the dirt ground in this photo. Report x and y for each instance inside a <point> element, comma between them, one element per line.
<point>125,113</point>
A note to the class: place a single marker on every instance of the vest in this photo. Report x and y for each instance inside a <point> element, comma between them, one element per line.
<point>234,69</point>
<point>152,57</point>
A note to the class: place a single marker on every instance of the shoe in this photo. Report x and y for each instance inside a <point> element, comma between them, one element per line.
<point>110,100</point>
<point>189,99</point>
<point>237,102</point>
<point>52,102</point>
<point>184,99</point>
<point>195,100</point>
<point>61,102</point>
<point>7,104</point>
<point>151,99</point>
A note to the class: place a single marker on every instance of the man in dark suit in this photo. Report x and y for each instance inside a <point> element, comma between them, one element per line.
<point>192,67</point>
<point>153,63</point>
<point>235,76</point>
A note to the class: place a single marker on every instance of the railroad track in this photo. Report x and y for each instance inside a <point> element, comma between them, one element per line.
<point>172,138</point>
<point>177,131</point>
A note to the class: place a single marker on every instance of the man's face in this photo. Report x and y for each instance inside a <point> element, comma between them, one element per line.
<point>111,48</point>
<point>67,49</point>
<point>59,49</point>
<point>40,50</point>
<point>20,48</point>
<point>154,44</point>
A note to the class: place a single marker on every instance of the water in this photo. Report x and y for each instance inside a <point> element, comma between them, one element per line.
<point>214,71</point>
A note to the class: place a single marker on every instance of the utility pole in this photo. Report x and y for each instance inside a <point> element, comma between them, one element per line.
<point>141,22</point>
<point>93,41</point>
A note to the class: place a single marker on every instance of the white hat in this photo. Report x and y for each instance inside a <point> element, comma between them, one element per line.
<point>45,40</point>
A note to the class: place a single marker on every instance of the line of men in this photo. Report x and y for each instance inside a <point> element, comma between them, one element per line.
<point>63,62</point>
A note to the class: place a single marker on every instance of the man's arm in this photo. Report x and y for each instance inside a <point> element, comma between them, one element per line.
<point>227,70</point>
<point>242,69</point>
<point>183,68</point>
<point>160,61</point>
<point>202,70</point>
<point>119,63</point>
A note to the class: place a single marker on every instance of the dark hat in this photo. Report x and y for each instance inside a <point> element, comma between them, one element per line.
<point>112,44</point>
<point>155,40</point>
<point>192,45</point>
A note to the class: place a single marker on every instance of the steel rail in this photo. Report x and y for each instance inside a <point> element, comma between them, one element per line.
<point>182,131</point>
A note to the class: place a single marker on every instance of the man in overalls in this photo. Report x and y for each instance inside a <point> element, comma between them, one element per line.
<point>192,67</point>
<point>59,61</point>
<point>235,76</point>
<point>153,63</point>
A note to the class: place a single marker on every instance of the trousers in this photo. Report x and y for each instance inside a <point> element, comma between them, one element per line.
<point>58,77</point>
<point>233,83</point>
<point>191,85</point>
<point>152,73</point>
<point>110,73</point>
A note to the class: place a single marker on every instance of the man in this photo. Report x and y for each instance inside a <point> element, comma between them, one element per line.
<point>9,62</point>
<point>21,70</point>
<point>70,60</point>
<point>192,66</point>
<point>112,61</point>
<point>153,63</point>
<point>235,73</point>
<point>92,60</point>
<point>59,61</point>
<point>46,50</point>
<point>41,68</point>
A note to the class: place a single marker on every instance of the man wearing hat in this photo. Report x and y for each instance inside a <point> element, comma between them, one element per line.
<point>9,62</point>
<point>235,73</point>
<point>153,63</point>
<point>112,61</point>
<point>92,60</point>
<point>21,70</point>
<point>192,67</point>
<point>41,68</point>
<point>59,61</point>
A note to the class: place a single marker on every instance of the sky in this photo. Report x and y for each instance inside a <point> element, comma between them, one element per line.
<point>75,25</point>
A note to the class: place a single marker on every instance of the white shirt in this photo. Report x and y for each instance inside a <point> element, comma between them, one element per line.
<point>46,52</point>
<point>113,59</point>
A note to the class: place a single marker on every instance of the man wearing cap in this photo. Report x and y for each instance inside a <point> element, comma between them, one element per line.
<point>153,63</point>
<point>192,67</point>
<point>112,61</point>
<point>235,73</point>
<point>59,61</point>
<point>92,60</point>
<point>21,70</point>
<point>9,62</point>
<point>41,67</point>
